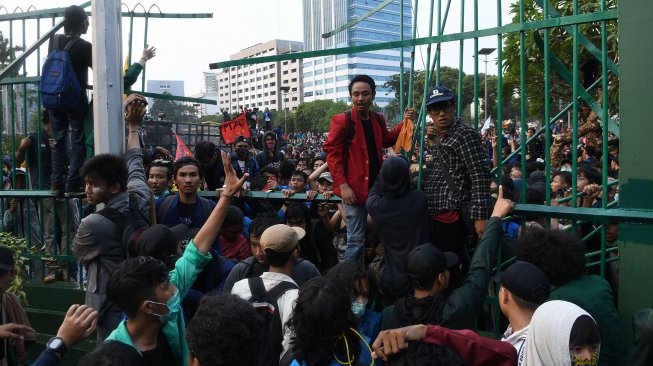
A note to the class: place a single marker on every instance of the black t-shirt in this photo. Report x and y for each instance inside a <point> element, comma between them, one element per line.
<point>161,355</point>
<point>187,212</point>
<point>33,161</point>
<point>373,157</point>
<point>81,56</point>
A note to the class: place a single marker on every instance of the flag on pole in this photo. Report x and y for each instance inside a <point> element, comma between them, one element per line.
<point>234,128</point>
<point>487,124</point>
<point>182,149</point>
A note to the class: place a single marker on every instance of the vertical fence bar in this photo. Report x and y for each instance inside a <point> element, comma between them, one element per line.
<point>547,101</point>
<point>500,94</point>
<point>461,62</point>
<point>522,104</point>
<point>422,118</point>
<point>411,77</point>
<point>604,133</point>
<point>438,47</point>
<point>574,114</point>
<point>131,38</point>
<point>39,136</point>
<point>26,201</point>
<point>401,57</point>
<point>147,22</point>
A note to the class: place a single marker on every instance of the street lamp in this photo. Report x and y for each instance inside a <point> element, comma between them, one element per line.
<point>284,93</point>
<point>485,52</point>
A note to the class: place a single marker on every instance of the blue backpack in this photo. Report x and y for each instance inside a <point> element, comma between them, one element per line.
<point>60,88</point>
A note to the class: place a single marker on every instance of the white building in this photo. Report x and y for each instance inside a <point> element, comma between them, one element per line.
<point>328,77</point>
<point>273,85</point>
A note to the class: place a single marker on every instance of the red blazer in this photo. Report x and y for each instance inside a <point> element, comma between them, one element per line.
<point>359,171</point>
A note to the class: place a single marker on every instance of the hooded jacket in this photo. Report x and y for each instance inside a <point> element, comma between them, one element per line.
<point>393,207</point>
<point>263,158</point>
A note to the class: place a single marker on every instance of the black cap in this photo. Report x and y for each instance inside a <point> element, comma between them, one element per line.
<point>425,262</point>
<point>526,281</point>
<point>156,239</point>
<point>439,94</point>
<point>184,233</point>
<point>240,138</point>
<point>6,259</point>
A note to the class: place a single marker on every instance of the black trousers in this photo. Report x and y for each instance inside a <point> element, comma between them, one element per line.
<point>453,237</point>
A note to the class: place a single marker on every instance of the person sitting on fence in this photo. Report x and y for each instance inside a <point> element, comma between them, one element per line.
<point>159,177</point>
<point>119,183</point>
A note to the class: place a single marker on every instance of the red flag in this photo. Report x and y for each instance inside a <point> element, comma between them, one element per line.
<point>182,149</point>
<point>234,128</point>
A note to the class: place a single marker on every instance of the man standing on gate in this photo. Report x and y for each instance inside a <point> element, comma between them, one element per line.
<point>353,151</point>
<point>458,187</point>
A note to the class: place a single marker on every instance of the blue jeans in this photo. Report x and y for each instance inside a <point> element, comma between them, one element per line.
<point>62,122</point>
<point>356,216</point>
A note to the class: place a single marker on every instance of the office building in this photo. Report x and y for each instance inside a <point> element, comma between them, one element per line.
<point>328,77</point>
<point>174,87</point>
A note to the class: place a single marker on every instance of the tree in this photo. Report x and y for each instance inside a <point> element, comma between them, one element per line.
<point>560,46</point>
<point>174,112</point>
<point>316,116</point>
<point>7,54</point>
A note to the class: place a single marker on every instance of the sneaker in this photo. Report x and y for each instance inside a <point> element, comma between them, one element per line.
<point>50,278</point>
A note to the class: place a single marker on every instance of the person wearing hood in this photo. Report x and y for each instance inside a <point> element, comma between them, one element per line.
<point>394,207</point>
<point>562,333</point>
<point>270,153</point>
<point>429,271</point>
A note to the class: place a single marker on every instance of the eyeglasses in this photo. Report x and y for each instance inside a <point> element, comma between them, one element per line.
<point>446,108</point>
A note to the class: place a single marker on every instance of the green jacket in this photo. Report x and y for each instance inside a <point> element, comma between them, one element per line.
<point>463,304</point>
<point>183,276</point>
<point>594,294</point>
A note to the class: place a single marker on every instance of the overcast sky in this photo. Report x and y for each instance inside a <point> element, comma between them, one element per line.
<point>185,47</point>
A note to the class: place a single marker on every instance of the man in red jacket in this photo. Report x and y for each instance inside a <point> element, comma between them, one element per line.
<point>353,151</point>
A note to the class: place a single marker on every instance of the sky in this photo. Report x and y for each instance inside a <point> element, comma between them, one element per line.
<point>185,47</point>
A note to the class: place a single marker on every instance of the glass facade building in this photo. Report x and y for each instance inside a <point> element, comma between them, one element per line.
<point>327,77</point>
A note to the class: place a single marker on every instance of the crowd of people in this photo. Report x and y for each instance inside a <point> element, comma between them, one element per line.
<point>349,264</point>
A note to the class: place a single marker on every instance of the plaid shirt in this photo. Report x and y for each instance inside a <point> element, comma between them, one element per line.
<point>464,156</point>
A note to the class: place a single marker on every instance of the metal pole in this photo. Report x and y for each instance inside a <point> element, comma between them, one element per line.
<point>107,77</point>
<point>485,103</point>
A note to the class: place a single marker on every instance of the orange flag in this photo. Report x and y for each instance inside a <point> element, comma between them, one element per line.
<point>234,128</point>
<point>182,149</point>
<point>405,139</point>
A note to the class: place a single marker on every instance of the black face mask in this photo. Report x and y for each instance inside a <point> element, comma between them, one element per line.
<point>242,154</point>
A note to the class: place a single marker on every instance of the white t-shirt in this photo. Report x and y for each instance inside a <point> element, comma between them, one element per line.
<point>286,301</point>
<point>518,340</point>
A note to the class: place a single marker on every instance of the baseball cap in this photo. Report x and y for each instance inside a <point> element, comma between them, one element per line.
<point>526,281</point>
<point>155,239</point>
<point>425,262</point>
<point>281,238</point>
<point>6,259</point>
<point>240,138</point>
<point>439,94</point>
<point>327,176</point>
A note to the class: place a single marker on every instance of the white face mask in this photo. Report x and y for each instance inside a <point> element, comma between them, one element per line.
<point>358,308</point>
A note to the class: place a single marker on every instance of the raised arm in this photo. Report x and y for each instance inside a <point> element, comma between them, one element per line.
<point>205,238</point>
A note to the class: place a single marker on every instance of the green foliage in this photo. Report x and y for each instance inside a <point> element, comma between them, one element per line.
<point>560,46</point>
<point>174,112</point>
<point>314,116</point>
<point>7,54</point>
<point>211,118</point>
<point>18,246</point>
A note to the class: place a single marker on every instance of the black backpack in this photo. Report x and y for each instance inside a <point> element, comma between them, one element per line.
<point>265,303</point>
<point>130,225</point>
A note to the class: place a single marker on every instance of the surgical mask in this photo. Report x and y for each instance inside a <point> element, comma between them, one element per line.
<point>565,169</point>
<point>358,308</point>
<point>173,304</point>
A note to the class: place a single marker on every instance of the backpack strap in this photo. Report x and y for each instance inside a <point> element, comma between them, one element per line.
<point>257,288</point>
<point>71,43</point>
<point>118,219</point>
<point>164,208</point>
<point>350,138</point>
<point>279,289</point>
<point>206,207</point>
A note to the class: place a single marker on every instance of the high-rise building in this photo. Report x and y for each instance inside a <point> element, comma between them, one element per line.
<point>328,77</point>
<point>210,82</point>
<point>174,87</point>
<point>274,85</point>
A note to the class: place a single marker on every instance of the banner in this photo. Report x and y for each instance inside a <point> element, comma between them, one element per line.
<point>182,149</point>
<point>234,128</point>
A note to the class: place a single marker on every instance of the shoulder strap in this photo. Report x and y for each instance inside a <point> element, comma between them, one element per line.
<point>445,168</point>
<point>71,43</point>
<point>257,288</point>
<point>164,208</point>
<point>206,207</point>
<point>351,130</point>
<point>279,289</point>
<point>118,219</point>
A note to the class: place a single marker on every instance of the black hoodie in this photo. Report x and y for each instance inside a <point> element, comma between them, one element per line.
<point>400,216</point>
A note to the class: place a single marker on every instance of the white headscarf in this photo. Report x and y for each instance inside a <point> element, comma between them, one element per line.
<point>548,333</point>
